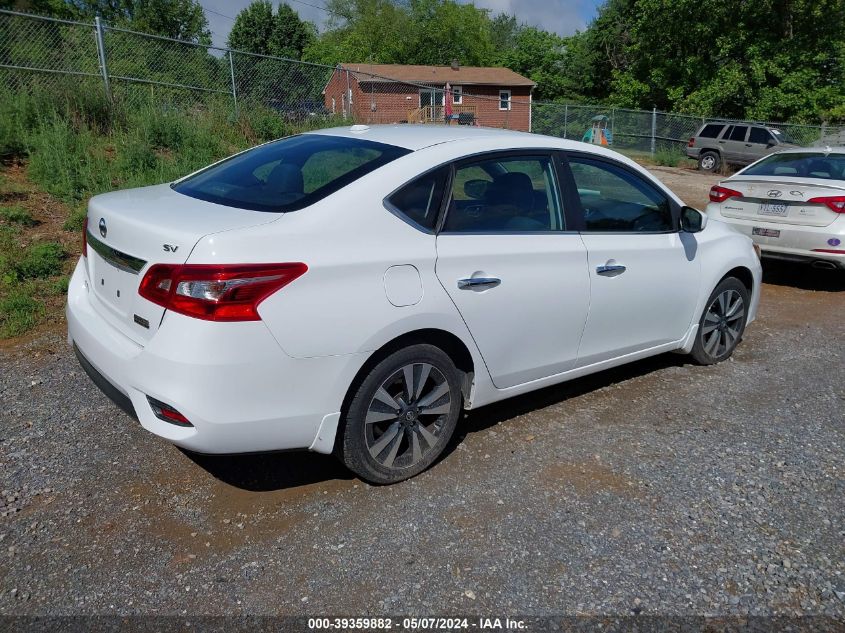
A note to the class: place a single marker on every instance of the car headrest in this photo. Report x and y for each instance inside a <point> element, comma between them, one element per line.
<point>511,189</point>
<point>286,178</point>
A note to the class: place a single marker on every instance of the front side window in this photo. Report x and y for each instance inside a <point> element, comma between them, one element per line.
<point>504,195</point>
<point>419,201</point>
<point>759,135</point>
<point>616,200</point>
<point>504,99</point>
<point>288,174</point>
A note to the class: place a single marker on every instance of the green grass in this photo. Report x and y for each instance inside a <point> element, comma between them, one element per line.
<point>669,157</point>
<point>19,311</point>
<point>40,261</point>
<point>16,214</point>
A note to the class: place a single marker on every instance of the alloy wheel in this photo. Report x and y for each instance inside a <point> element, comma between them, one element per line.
<point>723,323</point>
<point>406,415</point>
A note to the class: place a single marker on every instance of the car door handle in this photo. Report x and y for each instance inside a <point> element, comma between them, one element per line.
<point>478,283</point>
<point>611,270</point>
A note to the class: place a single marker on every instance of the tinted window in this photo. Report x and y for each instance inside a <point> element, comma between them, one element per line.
<point>711,130</point>
<point>738,133</point>
<point>727,133</point>
<point>419,200</point>
<point>288,174</point>
<point>759,135</point>
<point>616,200</point>
<point>806,165</point>
<point>507,195</point>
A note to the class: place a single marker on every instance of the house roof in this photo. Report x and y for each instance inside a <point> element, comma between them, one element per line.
<point>463,76</point>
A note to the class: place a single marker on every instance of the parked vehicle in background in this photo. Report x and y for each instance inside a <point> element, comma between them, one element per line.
<point>352,290</point>
<point>792,204</point>
<point>299,111</point>
<point>716,144</point>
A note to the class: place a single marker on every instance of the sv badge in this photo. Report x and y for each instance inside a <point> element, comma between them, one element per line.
<point>171,248</point>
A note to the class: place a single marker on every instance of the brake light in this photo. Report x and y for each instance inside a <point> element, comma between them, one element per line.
<point>834,203</point>
<point>85,237</point>
<point>229,292</point>
<point>691,142</point>
<point>720,194</point>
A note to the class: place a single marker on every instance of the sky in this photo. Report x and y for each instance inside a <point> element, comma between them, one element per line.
<point>562,16</point>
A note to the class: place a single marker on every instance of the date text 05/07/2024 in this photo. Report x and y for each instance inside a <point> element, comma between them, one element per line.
<point>414,624</point>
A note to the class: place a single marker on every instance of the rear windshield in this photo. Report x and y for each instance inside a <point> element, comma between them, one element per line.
<point>809,165</point>
<point>288,174</point>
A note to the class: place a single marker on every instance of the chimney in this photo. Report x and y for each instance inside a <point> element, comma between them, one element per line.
<point>456,65</point>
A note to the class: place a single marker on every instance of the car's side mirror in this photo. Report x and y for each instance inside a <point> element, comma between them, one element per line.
<point>772,142</point>
<point>692,220</point>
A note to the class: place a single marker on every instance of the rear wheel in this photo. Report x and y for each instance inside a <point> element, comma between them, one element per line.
<point>709,161</point>
<point>723,322</point>
<point>402,415</point>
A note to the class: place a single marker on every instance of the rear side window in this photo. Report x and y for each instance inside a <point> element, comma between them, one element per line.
<point>759,135</point>
<point>738,133</point>
<point>288,174</point>
<point>616,200</point>
<point>711,130</point>
<point>800,165</point>
<point>419,200</point>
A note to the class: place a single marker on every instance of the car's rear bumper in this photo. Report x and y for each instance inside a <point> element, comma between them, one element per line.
<point>693,152</point>
<point>232,381</point>
<point>799,243</point>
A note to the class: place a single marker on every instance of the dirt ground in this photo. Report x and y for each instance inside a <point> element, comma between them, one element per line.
<point>659,488</point>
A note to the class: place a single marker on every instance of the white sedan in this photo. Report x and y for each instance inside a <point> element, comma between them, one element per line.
<point>353,290</point>
<point>792,204</point>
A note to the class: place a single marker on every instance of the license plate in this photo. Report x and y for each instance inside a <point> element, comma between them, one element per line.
<point>773,208</point>
<point>765,232</point>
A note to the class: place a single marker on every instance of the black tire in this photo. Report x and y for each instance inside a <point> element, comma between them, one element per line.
<point>722,324</point>
<point>409,449</point>
<point>709,161</point>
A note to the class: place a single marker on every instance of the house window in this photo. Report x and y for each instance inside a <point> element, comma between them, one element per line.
<point>457,95</point>
<point>504,99</point>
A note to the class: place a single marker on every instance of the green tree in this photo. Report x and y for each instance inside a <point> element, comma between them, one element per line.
<point>443,30</point>
<point>541,56</point>
<point>253,28</point>
<point>291,36</point>
<point>180,19</point>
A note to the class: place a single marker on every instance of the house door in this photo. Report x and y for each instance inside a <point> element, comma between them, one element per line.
<point>431,101</point>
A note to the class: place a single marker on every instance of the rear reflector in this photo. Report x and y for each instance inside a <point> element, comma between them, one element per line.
<point>230,292</point>
<point>720,194</point>
<point>167,413</point>
<point>834,203</point>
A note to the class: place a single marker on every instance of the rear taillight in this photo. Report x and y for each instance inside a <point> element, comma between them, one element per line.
<point>691,142</point>
<point>720,194</point>
<point>85,237</point>
<point>230,292</point>
<point>834,203</point>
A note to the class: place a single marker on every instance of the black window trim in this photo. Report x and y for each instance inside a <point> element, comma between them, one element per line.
<point>674,207</point>
<point>550,153</point>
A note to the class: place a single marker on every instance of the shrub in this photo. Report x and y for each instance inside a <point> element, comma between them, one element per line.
<point>16,214</point>
<point>40,260</point>
<point>668,156</point>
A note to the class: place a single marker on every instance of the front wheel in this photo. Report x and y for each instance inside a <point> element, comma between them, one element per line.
<point>723,322</point>
<point>402,416</point>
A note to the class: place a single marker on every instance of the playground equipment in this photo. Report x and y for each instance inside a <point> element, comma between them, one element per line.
<point>598,134</point>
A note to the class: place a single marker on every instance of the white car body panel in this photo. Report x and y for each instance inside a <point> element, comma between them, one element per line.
<point>281,382</point>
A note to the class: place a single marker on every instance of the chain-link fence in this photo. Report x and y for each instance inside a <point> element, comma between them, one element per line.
<point>36,51</point>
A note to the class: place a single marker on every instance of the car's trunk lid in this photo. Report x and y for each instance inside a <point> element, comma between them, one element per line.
<point>781,200</point>
<point>129,231</point>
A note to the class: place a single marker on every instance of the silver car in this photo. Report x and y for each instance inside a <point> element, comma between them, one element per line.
<point>716,144</point>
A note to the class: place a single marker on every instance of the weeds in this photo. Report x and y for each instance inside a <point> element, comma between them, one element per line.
<point>19,311</point>
<point>16,214</point>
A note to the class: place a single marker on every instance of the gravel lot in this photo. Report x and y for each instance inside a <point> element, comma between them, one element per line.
<point>657,488</point>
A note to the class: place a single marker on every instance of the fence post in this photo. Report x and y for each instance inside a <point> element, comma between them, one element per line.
<point>653,129</point>
<point>348,95</point>
<point>565,118</point>
<point>822,132</point>
<point>232,73</point>
<point>101,53</point>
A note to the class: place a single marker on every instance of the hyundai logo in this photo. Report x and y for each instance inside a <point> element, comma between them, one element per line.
<point>103,229</point>
<point>774,193</point>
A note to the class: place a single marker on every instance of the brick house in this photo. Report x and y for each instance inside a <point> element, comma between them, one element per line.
<point>459,95</point>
